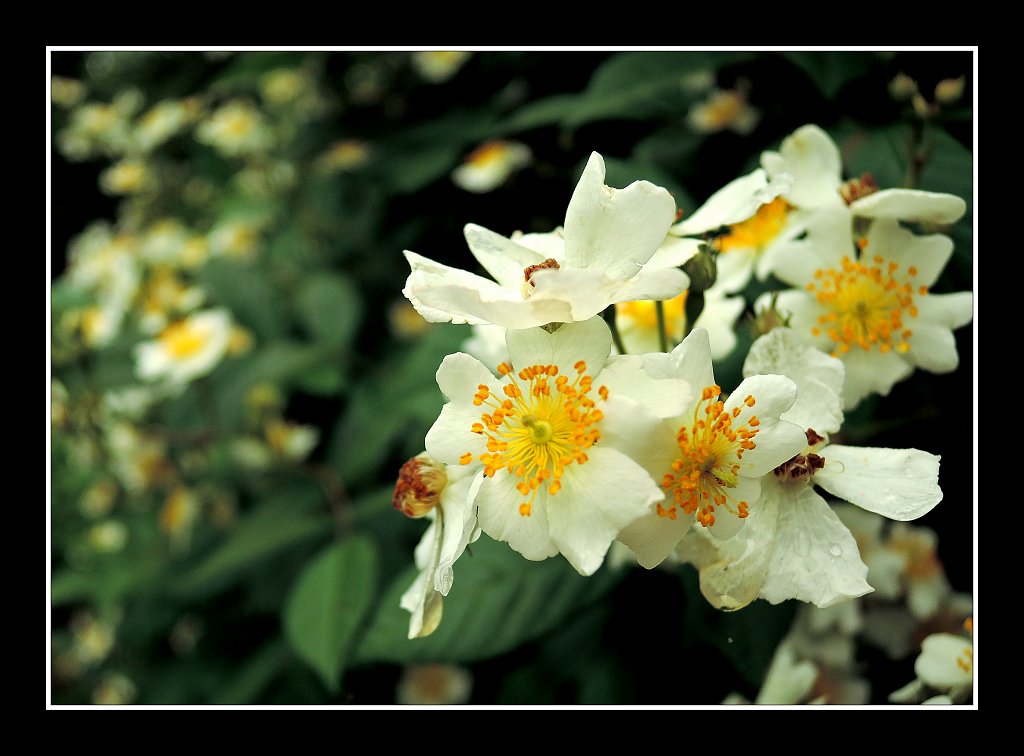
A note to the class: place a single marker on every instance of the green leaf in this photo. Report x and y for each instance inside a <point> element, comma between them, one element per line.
<point>245,290</point>
<point>246,684</point>
<point>329,601</point>
<point>398,397</point>
<point>748,637</point>
<point>257,537</point>
<point>499,601</point>
<point>329,308</point>
<point>545,112</point>
<point>831,71</point>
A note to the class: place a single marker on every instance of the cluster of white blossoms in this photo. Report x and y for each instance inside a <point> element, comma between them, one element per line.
<point>570,437</point>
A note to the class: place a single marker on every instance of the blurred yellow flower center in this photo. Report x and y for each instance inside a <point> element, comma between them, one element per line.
<point>238,123</point>
<point>760,229</point>
<point>711,448</point>
<point>488,154</point>
<point>724,108</point>
<point>183,339</point>
<point>643,313</point>
<point>865,305</point>
<point>545,422</point>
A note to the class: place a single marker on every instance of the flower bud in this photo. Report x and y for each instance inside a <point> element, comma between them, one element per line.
<point>949,91</point>
<point>902,87</point>
<point>421,481</point>
<point>702,269</point>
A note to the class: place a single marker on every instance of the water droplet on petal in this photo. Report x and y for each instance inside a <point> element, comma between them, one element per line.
<point>835,550</point>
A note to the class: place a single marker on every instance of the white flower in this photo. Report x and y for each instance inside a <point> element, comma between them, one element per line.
<point>710,457</point>
<point>794,544</point>
<point>812,159</point>
<point>555,435</point>
<point>946,665</point>
<point>757,216</point>
<point>426,488</point>
<point>163,121</point>
<point>598,260</point>
<point>186,349</point>
<point>489,165</point>
<point>873,310</point>
<point>723,109</point>
<point>235,128</point>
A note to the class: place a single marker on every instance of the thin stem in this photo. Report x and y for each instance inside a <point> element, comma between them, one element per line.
<point>694,307</point>
<point>659,309</point>
<point>609,318</point>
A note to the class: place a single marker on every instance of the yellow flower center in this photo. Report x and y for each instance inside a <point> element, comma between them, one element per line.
<point>758,230</point>
<point>488,154</point>
<point>643,314</point>
<point>711,448</point>
<point>865,305</point>
<point>724,108</point>
<point>545,422</point>
<point>239,123</point>
<point>183,339</point>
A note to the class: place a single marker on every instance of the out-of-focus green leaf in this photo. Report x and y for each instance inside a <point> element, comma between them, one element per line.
<point>107,584</point>
<point>327,604</point>
<point>544,112</point>
<point>260,535</point>
<point>881,152</point>
<point>414,169</point>
<point>499,601</point>
<point>245,290</point>
<point>244,71</point>
<point>283,363</point>
<point>64,296</point>
<point>748,637</point>
<point>950,168</point>
<point>399,394</point>
<point>831,71</point>
<point>329,307</point>
<point>248,682</point>
<point>326,380</point>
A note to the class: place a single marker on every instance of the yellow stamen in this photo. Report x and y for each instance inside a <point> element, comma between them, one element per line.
<point>758,231</point>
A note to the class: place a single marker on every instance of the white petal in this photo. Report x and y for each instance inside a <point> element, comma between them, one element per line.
<point>871,373</point>
<point>425,605</point>
<point>487,344</point>
<point>811,157</point>
<point>719,318</point>
<point>459,376</point>
<point>815,559</point>
<point>928,254</point>
<point>458,512</point>
<point>655,284</point>
<point>829,239</point>
<point>938,701</point>
<point>550,244</point>
<point>498,509</point>
<point>932,348</point>
<point>615,230</point>
<point>733,577</point>
<point>926,596</point>
<point>726,524</point>
<point>673,253</point>
<point>689,361</point>
<point>588,340</point>
<point>734,268</point>
<point>501,257</point>
<point>802,310</point>
<point>735,202</point>
<point>652,537</point>
<point>937,665</point>
<point>911,205</point>
<point>625,376</point>
<point>818,378</point>
<point>451,435</point>
<point>901,484</point>
<point>788,681</point>
<point>951,310</point>
<point>885,572</point>
<point>777,440</point>
<point>443,294</point>
<point>639,435</point>
<point>598,499</point>
<point>912,692</point>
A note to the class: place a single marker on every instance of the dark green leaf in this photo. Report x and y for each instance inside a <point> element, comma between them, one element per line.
<point>260,535</point>
<point>831,71</point>
<point>248,682</point>
<point>499,601</point>
<point>245,290</point>
<point>329,307</point>
<point>327,604</point>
